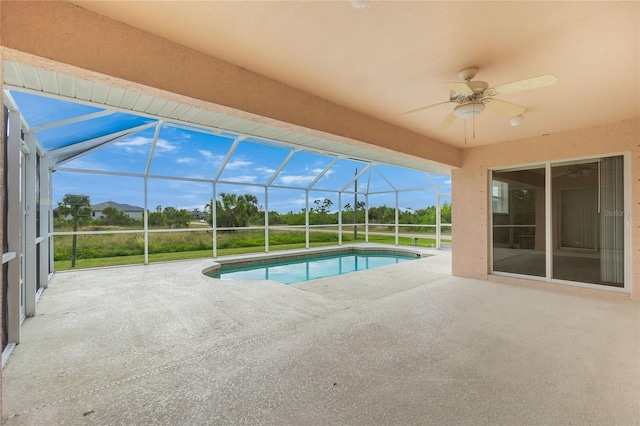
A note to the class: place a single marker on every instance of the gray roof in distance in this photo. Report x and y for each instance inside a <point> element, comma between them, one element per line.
<point>123,207</point>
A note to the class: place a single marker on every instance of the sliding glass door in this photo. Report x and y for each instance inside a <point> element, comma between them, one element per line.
<point>578,206</point>
<point>519,231</point>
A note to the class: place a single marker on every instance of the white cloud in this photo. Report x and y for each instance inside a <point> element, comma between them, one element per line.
<point>82,163</point>
<point>318,171</point>
<point>242,179</point>
<point>173,184</point>
<point>265,170</point>
<point>236,189</point>
<point>216,160</point>
<point>165,146</point>
<point>198,177</point>
<point>211,157</point>
<point>133,143</point>
<point>253,190</point>
<point>236,164</point>
<point>141,145</point>
<point>185,160</point>
<point>296,179</point>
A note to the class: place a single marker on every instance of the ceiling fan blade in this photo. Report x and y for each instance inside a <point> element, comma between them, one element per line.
<point>506,108</point>
<point>426,107</point>
<point>526,84</point>
<point>447,121</point>
<point>460,87</point>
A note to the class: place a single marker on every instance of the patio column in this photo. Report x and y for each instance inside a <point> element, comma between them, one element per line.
<point>397,219</point>
<point>45,215</point>
<point>266,219</point>
<point>438,220</point>
<point>29,250</point>
<point>14,223</point>
<point>366,218</point>
<point>214,212</point>
<point>146,222</point>
<point>306,216</point>
<point>340,218</point>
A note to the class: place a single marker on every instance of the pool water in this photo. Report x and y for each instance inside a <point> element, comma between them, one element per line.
<point>310,268</point>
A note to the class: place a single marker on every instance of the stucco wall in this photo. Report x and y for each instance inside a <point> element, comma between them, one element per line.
<point>470,185</point>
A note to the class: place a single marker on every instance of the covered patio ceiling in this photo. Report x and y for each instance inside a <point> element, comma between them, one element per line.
<point>391,57</point>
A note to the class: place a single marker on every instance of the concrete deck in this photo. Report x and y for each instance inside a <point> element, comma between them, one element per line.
<point>404,344</point>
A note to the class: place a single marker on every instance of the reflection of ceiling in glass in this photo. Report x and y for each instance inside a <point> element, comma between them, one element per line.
<point>79,136</point>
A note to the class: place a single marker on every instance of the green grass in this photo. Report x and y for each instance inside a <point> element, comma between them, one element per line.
<point>102,262</point>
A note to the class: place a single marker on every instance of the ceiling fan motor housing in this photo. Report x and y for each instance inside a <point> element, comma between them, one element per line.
<point>469,109</point>
<point>475,92</point>
<point>478,86</point>
<point>468,73</point>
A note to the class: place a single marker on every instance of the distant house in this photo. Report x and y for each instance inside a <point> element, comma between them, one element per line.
<point>131,211</point>
<point>197,214</point>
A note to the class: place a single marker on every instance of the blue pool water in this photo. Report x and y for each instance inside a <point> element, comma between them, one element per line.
<point>310,268</point>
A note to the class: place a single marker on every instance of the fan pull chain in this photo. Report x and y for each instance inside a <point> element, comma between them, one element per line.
<point>474,121</point>
<point>474,126</point>
<point>465,132</point>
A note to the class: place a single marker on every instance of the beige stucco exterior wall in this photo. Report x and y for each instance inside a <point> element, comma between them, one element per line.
<point>80,43</point>
<point>470,186</point>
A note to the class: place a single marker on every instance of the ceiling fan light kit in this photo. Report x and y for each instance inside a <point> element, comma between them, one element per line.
<point>517,120</point>
<point>359,4</point>
<point>473,97</point>
<point>469,110</point>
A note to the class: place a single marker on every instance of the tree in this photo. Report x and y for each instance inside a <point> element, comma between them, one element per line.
<point>176,218</point>
<point>171,217</point>
<point>233,210</point>
<point>321,214</point>
<point>445,212</point>
<point>75,205</point>
<point>382,214</point>
<point>114,216</point>
<point>155,219</point>
<point>323,206</point>
<point>427,216</point>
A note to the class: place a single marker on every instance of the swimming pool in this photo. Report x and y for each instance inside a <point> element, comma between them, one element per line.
<point>299,269</point>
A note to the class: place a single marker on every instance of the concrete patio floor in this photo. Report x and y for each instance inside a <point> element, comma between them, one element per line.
<point>404,344</point>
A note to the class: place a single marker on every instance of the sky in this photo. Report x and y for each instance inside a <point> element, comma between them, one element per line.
<point>185,160</point>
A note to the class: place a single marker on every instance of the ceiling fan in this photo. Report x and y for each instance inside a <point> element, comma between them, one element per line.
<point>472,97</point>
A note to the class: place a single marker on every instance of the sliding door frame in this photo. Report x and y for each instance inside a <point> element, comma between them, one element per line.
<point>628,218</point>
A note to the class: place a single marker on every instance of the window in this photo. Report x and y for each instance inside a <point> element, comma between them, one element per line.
<point>500,197</point>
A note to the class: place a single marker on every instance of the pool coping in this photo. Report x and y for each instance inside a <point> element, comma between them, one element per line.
<point>261,258</point>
